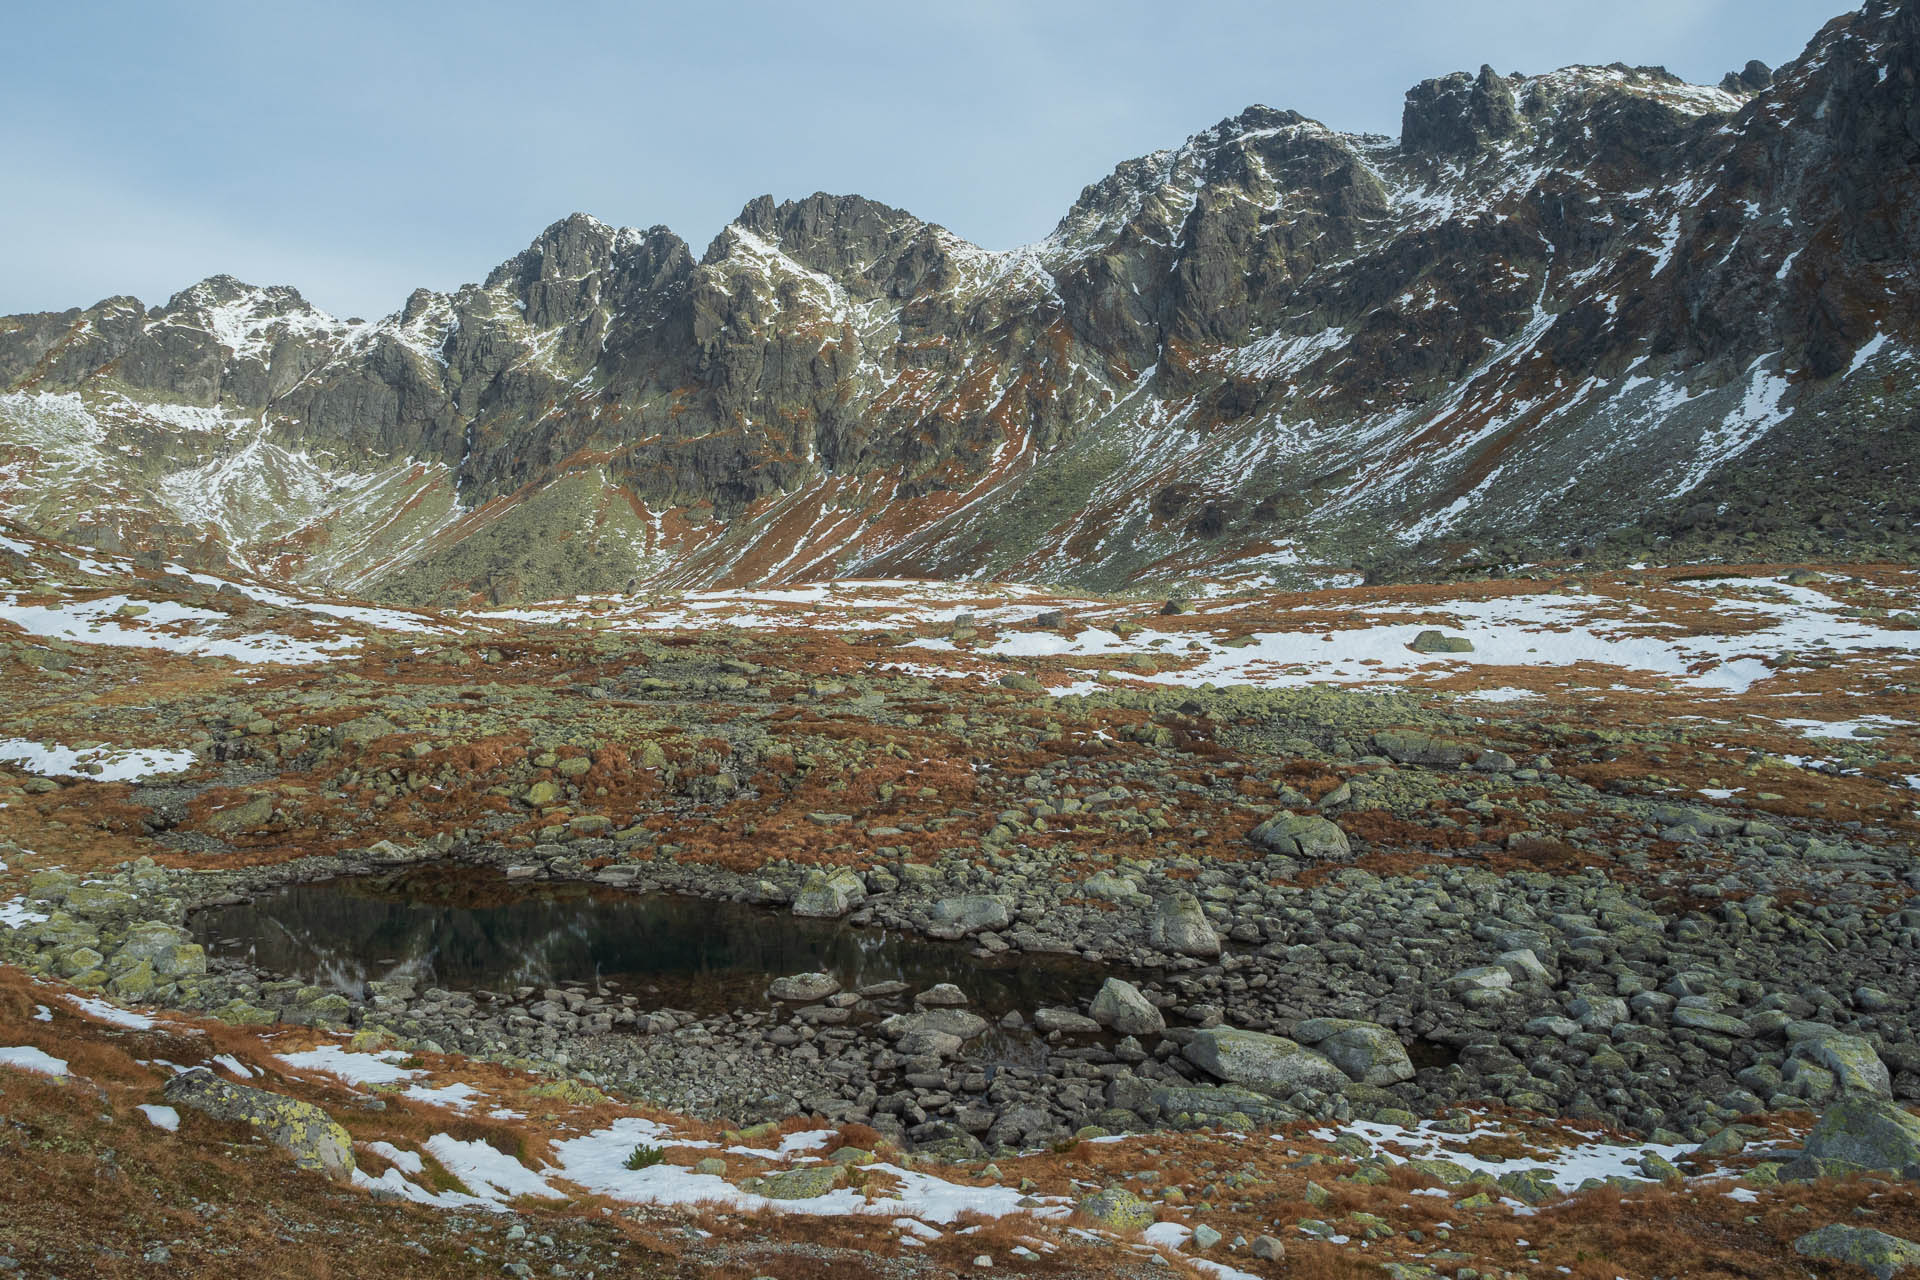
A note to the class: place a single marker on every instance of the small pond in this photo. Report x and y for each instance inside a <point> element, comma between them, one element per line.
<point>471,928</point>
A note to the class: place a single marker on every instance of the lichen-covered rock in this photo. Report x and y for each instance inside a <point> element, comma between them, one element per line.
<point>1855,1066</point>
<point>1259,1061</point>
<point>250,815</point>
<point>1110,887</point>
<point>1366,1051</point>
<point>1212,1103</point>
<point>301,1129</point>
<point>971,913</point>
<point>1121,1006</point>
<point>101,902</point>
<point>1440,642</point>
<point>1118,1209</point>
<point>1875,1251</point>
<point>1860,1132</point>
<point>1724,1024</point>
<point>1413,746</point>
<point>809,1183</point>
<point>940,1031</point>
<point>168,948</point>
<point>828,895</point>
<point>803,988</point>
<point>1181,927</point>
<point>1302,836</point>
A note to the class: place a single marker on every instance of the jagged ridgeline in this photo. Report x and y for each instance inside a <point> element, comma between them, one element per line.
<point>1597,311</point>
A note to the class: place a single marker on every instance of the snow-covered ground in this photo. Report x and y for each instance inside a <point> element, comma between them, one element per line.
<point>162,624</point>
<point>1765,618</point>
<point>1565,1166</point>
<point>28,1058</point>
<point>115,764</point>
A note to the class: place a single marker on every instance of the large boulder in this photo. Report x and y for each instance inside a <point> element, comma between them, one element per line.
<point>250,815</point>
<point>1431,641</point>
<point>1066,1021</point>
<point>1181,927</point>
<point>1860,1132</point>
<point>1855,1066</point>
<point>1274,1064</point>
<point>101,902</point>
<point>969,914</point>
<point>1412,746</point>
<point>168,948</point>
<point>1213,1103</point>
<point>1874,1251</point>
<point>1119,1005</point>
<point>937,1031</point>
<point>1366,1051</point>
<point>301,1129</point>
<point>802,1184</point>
<point>803,988</point>
<point>1302,836</point>
<point>828,895</point>
<point>1118,1209</point>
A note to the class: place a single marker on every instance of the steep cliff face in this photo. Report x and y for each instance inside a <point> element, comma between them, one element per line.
<point>1597,307</point>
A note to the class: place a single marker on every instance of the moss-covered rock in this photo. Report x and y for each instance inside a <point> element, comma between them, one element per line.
<point>1860,1132</point>
<point>1118,1209</point>
<point>803,1184</point>
<point>1884,1255</point>
<point>301,1129</point>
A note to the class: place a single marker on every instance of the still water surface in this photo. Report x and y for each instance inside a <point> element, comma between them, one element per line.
<point>471,928</point>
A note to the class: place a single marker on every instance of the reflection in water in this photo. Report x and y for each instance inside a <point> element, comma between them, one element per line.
<point>470,928</point>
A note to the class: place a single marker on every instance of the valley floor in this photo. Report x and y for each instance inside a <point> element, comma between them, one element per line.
<point>1612,874</point>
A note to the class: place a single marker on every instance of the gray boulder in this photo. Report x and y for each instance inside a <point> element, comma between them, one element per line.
<point>1860,1132</point>
<point>970,914</point>
<point>1440,642</point>
<point>1066,1021</point>
<point>1109,886</point>
<point>1875,1251</point>
<point>803,988</point>
<point>1274,1064</point>
<point>1302,836</point>
<point>1855,1066</point>
<point>937,1031</point>
<point>828,895</point>
<point>1366,1051</point>
<point>1414,746</point>
<point>1181,927</point>
<point>168,948</point>
<point>1121,1006</point>
<point>301,1129</point>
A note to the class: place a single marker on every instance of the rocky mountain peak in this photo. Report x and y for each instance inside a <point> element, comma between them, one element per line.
<point>1752,78</point>
<point>1459,114</point>
<point>549,275</point>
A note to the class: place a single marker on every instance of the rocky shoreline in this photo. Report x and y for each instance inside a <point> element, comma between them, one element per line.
<point>1570,995</point>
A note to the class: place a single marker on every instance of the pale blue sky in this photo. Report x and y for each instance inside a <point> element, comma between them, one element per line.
<point>356,150</point>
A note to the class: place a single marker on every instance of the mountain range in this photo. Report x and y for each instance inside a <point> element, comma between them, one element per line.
<point>1597,313</point>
